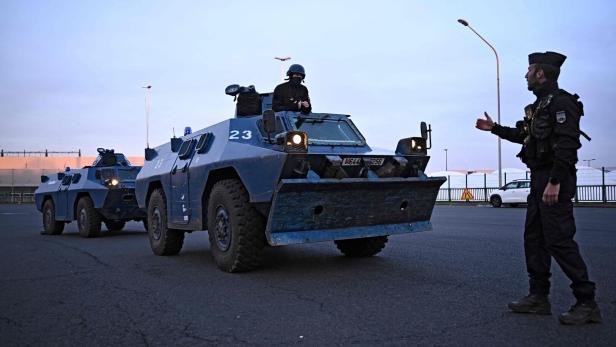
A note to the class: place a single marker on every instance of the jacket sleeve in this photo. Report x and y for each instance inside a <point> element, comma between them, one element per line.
<point>515,135</point>
<point>278,103</point>
<point>566,135</point>
<point>306,98</point>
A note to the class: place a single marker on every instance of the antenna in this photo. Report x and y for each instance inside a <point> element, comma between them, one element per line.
<point>148,90</point>
<point>173,129</point>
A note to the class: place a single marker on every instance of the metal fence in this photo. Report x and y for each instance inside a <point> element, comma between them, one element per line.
<point>481,186</point>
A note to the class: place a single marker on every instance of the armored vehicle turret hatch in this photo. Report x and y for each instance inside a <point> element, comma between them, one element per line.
<point>284,178</point>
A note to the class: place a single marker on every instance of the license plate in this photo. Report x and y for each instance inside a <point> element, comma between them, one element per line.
<point>351,161</point>
<point>376,161</point>
<point>357,161</point>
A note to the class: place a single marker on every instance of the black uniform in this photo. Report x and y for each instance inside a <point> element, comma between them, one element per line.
<point>286,96</point>
<point>550,135</point>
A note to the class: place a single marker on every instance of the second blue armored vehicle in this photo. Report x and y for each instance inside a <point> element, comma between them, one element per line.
<point>101,193</point>
<point>284,178</point>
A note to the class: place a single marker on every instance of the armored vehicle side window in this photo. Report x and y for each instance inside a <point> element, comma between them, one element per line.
<point>107,174</point>
<point>187,149</point>
<point>204,143</point>
<point>328,131</point>
<point>76,178</point>
<point>67,180</point>
<point>279,127</point>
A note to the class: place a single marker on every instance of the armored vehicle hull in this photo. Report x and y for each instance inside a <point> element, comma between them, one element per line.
<point>282,179</point>
<point>101,193</point>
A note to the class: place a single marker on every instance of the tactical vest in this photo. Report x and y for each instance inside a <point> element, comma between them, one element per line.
<point>538,128</point>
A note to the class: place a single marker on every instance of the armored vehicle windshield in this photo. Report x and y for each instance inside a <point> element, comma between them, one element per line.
<point>327,129</point>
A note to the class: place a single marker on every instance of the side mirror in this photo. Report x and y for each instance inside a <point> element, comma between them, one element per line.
<point>60,175</point>
<point>424,130</point>
<point>269,121</point>
<point>426,134</point>
<point>44,178</point>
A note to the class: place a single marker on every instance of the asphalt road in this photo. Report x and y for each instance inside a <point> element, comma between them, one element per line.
<point>449,286</point>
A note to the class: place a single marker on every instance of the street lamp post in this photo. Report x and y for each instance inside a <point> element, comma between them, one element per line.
<point>445,159</point>
<point>500,170</point>
<point>148,90</point>
<point>588,161</point>
<point>282,60</point>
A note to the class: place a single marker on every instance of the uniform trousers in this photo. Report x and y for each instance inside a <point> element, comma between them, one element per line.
<point>548,233</point>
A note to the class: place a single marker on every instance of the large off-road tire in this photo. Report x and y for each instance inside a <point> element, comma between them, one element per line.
<point>88,219</point>
<point>115,225</point>
<point>236,230</point>
<point>496,201</point>
<point>364,247</point>
<point>50,225</point>
<point>163,240</point>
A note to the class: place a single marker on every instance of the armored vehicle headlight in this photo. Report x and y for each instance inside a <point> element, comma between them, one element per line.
<point>293,141</point>
<point>112,182</point>
<point>418,144</point>
<point>296,141</point>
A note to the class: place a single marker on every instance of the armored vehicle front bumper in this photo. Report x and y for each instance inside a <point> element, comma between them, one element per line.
<point>305,210</point>
<point>120,204</point>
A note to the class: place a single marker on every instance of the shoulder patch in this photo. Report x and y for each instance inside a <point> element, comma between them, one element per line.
<point>561,117</point>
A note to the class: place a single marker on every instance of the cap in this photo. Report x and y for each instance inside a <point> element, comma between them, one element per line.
<point>548,58</point>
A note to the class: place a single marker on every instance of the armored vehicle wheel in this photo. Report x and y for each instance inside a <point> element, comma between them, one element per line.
<point>164,241</point>
<point>365,247</point>
<point>115,225</point>
<point>236,230</point>
<point>496,201</point>
<point>50,225</point>
<point>88,219</point>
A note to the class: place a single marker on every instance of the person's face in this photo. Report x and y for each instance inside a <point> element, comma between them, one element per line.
<point>296,75</point>
<point>533,76</point>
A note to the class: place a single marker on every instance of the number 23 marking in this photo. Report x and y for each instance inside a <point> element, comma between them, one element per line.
<point>235,135</point>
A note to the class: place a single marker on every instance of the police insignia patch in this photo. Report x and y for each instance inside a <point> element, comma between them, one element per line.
<point>561,117</point>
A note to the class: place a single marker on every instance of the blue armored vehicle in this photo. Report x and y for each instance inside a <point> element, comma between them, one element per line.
<point>103,192</point>
<point>284,178</point>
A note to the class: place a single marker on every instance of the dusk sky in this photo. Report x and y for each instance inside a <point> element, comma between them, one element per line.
<point>71,72</point>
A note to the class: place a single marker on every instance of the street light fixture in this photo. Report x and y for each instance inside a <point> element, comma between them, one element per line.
<point>500,170</point>
<point>282,60</point>
<point>588,161</point>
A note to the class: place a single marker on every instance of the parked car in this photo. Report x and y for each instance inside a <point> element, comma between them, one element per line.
<point>512,193</point>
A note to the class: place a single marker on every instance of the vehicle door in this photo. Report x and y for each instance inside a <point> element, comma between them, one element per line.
<point>524,191</point>
<point>61,203</point>
<point>509,194</point>
<point>180,201</point>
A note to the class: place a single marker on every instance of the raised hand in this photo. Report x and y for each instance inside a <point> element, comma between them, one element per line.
<point>485,124</point>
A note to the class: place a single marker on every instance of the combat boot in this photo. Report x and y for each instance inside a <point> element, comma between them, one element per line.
<point>581,313</point>
<point>532,303</point>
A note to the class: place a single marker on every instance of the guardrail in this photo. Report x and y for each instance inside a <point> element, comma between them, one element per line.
<point>586,193</point>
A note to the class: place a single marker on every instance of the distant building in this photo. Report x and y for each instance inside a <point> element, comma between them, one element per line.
<point>19,176</point>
